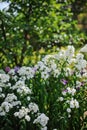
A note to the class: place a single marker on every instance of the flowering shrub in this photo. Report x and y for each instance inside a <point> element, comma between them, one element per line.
<point>17,107</point>
<point>51,95</point>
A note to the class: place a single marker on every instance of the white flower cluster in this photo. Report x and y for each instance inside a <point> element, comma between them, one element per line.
<point>4,78</point>
<point>27,72</point>
<point>42,119</point>
<point>21,88</point>
<point>45,71</point>
<point>11,72</point>
<point>74,103</point>
<point>16,86</point>
<point>11,98</point>
<point>19,91</point>
<point>52,64</point>
<point>4,83</point>
<point>23,113</point>
<point>69,100</point>
<point>80,62</point>
<point>69,53</point>
<point>5,107</point>
<point>9,102</point>
<point>69,90</point>
<point>33,107</point>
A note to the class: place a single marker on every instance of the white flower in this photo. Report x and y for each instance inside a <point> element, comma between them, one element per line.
<point>14,77</point>
<point>6,106</point>
<point>69,116</point>
<point>2,95</point>
<point>84,49</point>
<point>11,72</point>
<point>61,99</point>
<point>64,93</point>
<point>2,113</point>
<point>44,128</point>
<point>81,64</point>
<point>27,118</point>
<point>33,107</point>
<point>27,71</point>
<point>69,90</point>
<point>4,78</point>
<point>68,110</point>
<point>42,120</point>
<point>56,72</point>
<point>44,75</point>
<point>16,114</point>
<point>79,56</point>
<point>68,71</point>
<point>28,98</point>
<point>85,75</point>
<point>70,52</point>
<point>76,104</point>
<point>72,105</point>
<point>21,88</point>
<point>22,112</point>
<point>10,97</point>
<point>61,55</point>
<point>73,91</point>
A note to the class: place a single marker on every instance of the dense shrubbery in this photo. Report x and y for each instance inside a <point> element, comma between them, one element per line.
<point>27,26</point>
<point>50,95</point>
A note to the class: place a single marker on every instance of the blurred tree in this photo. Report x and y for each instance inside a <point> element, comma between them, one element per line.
<point>28,25</point>
<point>78,6</point>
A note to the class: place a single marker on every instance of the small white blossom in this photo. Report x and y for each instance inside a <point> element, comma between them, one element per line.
<point>28,98</point>
<point>69,116</point>
<point>61,99</point>
<point>68,110</point>
<point>27,118</point>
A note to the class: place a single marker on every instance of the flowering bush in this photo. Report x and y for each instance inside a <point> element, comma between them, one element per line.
<point>51,95</point>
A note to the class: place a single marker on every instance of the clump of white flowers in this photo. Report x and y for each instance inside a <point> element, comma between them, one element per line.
<point>21,88</point>
<point>5,108</point>
<point>23,112</point>
<point>80,62</point>
<point>27,72</point>
<point>42,119</point>
<point>16,95</point>
<point>33,107</point>
<point>69,100</point>
<point>60,75</point>
<point>74,103</point>
<point>4,78</point>
<point>71,91</point>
